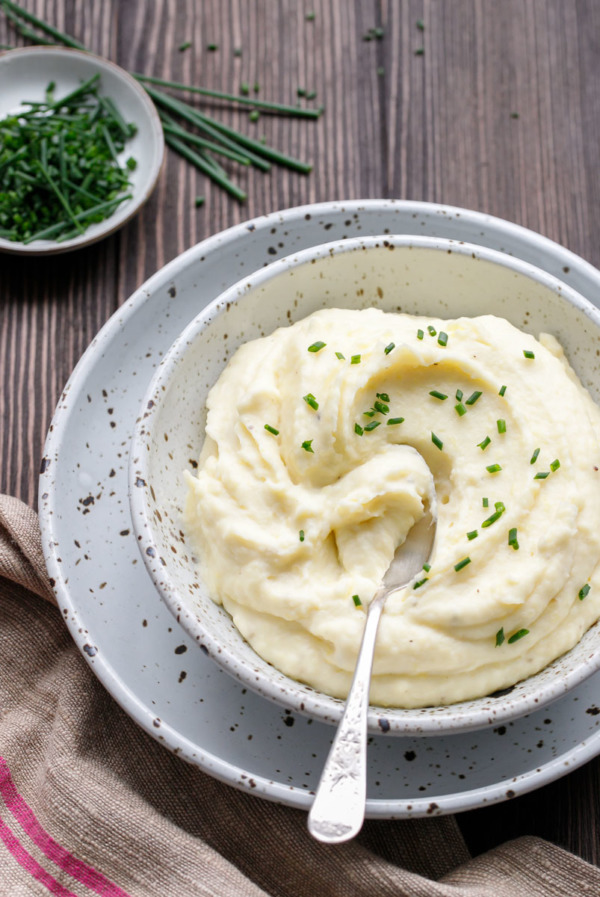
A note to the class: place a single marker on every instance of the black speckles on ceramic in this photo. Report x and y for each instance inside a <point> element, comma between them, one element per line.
<point>109,601</point>
<point>420,275</point>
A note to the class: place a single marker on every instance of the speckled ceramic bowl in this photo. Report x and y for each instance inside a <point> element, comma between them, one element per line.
<point>421,275</point>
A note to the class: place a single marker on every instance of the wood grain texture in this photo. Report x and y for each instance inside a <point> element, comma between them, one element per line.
<point>500,113</point>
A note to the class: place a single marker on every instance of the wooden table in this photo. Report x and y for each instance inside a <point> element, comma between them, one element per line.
<point>492,106</point>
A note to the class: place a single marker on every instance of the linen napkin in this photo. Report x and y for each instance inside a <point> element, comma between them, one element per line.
<point>91,805</point>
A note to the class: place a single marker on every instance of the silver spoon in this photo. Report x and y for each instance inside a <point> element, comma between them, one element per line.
<point>338,810</point>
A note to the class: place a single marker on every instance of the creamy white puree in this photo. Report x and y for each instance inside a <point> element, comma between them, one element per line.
<point>352,500</point>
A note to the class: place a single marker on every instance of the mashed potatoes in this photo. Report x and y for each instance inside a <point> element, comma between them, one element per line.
<point>321,443</point>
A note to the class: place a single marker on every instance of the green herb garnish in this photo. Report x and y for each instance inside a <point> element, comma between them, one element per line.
<point>534,457</point>
<point>460,409</point>
<point>394,421</point>
<point>383,396</point>
<point>310,400</point>
<point>420,582</point>
<point>316,347</point>
<point>355,359</point>
<point>420,334</point>
<point>462,564</point>
<point>438,395</point>
<point>493,468</point>
<point>431,330</point>
<point>542,475</point>
<point>357,601</point>
<point>442,338</point>
<point>472,535</point>
<point>486,502</point>
<point>528,354</point>
<point>484,443</point>
<point>426,567</point>
<point>518,635</point>
<point>301,535</point>
<point>271,429</point>
<point>501,424</point>
<point>512,538</point>
<point>500,637</point>
<point>437,441</point>
<point>307,446</point>
<point>502,390</point>
<point>473,397</point>
<point>500,509</point>
<point>372,425</point>
<point>381,407</point>
<point>340,356</point>
<point>389,348</point>
<point>584,591</point>
<point>555,465</point>
<point>358,429</point>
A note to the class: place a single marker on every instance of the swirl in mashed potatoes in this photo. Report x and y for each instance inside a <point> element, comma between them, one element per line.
<point>323,442</point>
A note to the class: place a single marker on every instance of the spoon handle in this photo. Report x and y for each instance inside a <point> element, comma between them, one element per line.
<point>338,810</point>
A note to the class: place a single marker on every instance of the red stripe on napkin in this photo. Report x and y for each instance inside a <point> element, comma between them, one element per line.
<point>32,866</point>
<point>25,816</point>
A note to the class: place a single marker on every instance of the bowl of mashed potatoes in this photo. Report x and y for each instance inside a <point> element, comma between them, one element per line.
<point>287,444</point>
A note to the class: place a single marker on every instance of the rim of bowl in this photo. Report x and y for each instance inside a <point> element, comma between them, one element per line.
<point>122,215</point>
<point>460,717</point>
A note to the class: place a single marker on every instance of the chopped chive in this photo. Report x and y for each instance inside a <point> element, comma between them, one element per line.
<point>518,635</point>
<point>542,475</point>
<point>199,201</point>
<point>307,446</point>
<point>472,535</point>
<point>394,421</point>
<point>358,429</point>
<point>301,535</point>
<point>500,509</point>
<point>301,91</point>
<point>254,115</point>
<point>460,409</point>
<point>420,24</point>
<point>420,334</point>
<point>185,46</point>
<point>486,502</point>
<point>502,390</point>
<point>501,424</point>
<point>438,395</point>
<point>372,426</point>
<point>584,591</point>
<point>389,348</point>
<point>473,397</point>
<point>459,395</point>
<point>500,637</point>
<point>534,457</point>
<point>357,601</point>
<point>340,356</point>
<point>256,87</point>
<point>442,338</point>
<point>528,354</point>
<point>272,430</point>
<point>462,564</point>
<point>420,582</point>
<point>383,396</point>
<point>370,413</point>
<point>484,443</point>
<point>431,330</point>
<point>426,567</point>
<point>355,359</point>
<point>437,441</point>
<point>316,347</point>
<point>244,88</point>
<point>493,468</point>
<point>555,465</point>
<point>381,407</point>
<point>310,16</point>
<point>310,400</point>
<point>212,47</point>
<point>512,538</point>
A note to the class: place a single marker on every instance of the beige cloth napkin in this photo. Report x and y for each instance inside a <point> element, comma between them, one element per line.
<point>91,805</point>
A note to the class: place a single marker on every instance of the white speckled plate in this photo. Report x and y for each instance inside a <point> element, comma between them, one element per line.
<point>25,73</point>
<point>135,647</point>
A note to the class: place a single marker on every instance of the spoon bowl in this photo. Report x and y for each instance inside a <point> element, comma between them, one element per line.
<point>338,810</point>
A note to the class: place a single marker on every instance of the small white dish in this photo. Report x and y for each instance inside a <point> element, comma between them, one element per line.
<point>441,278</point>
<point>25,74</point>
